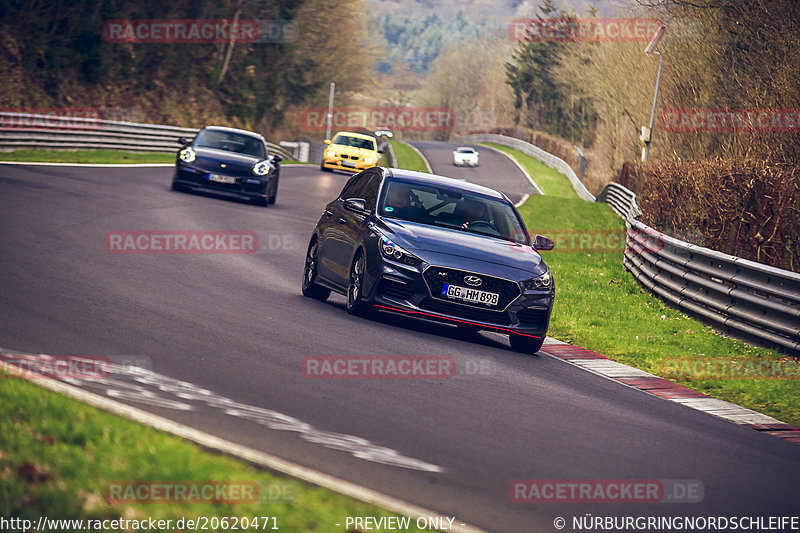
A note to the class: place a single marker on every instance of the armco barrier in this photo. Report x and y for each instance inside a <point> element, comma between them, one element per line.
<point>735,293</point>
<point>30,130</point>
<point>535,152</point>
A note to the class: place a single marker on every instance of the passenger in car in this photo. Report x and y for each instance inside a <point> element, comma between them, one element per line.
<point>399,199</point>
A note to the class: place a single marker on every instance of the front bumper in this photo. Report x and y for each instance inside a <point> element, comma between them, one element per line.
<point>345,163</point>
<point>408,291</point>
<point>244,187</point>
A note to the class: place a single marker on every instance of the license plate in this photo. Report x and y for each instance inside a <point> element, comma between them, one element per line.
<point>470,295</point>
<point>221,179</point>
<point>348,164</point>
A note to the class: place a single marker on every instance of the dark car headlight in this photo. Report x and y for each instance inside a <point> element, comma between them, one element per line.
<point>543,282</point>
<point>187,155</point>
<point>390,250</point>
<point>262,168</point>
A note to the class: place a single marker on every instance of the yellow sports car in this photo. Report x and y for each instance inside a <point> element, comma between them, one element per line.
<point>350,151</point>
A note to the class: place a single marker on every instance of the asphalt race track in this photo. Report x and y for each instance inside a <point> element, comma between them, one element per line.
<point>494,169</point>
<point>223,337</point>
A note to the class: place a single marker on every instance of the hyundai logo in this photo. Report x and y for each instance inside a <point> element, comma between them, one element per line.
<point>473,281</point>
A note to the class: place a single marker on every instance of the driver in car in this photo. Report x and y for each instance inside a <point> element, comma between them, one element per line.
<point>471,211</point>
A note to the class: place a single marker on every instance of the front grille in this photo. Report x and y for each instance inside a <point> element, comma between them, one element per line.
<point>436,277</point>
<point>465,312</point>
<point>532,316</point>
<point>345,156</point>
<point>395,289</point>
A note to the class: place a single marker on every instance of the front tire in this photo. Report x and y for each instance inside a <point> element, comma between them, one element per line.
<point>310,287</point>
<point>355,289</point>
<point>524,344</point>
<point>273,193</point>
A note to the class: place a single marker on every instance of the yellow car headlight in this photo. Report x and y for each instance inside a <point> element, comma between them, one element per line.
<point>369,160</point>
<point>331,153</point>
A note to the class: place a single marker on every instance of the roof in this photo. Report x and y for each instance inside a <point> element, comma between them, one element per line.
<point>358,135</point>
<point>433,179</point>
<point>235,130</point>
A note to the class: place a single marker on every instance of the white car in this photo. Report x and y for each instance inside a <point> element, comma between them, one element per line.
<point>464,156</point>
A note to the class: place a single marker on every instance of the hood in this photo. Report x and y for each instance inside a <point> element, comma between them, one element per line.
<point>428,241</point>
<point>211,160</point>
<point>350,150</point>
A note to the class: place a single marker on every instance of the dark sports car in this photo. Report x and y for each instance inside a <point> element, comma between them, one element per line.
<point>229,162</point>
<point>434,248</point>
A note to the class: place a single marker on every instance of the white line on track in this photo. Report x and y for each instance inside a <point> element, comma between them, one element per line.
<point>424,159</point>
<point>520,167</point>
<point>255,457</point>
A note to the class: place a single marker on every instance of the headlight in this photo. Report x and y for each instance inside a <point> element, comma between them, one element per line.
<point>391,251</point>
<point>543,282</point>
<point>369,160</point>
<point>262,168</point>
<point>331,153</point>
<point>187,155</point>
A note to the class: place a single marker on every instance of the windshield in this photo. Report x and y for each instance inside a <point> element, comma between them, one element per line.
<point>231,142</point>
<point>452,208</point>
<point>356,142</point>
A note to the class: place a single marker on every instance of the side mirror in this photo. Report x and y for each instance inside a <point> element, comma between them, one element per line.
<point>327,141</point>
<point>276,158</point>
<point>356,205</point>
<point>543,244</point>
<point>183,141</point>
<point>380,150</point>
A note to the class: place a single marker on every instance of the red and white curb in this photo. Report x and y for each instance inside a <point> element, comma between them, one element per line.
<point>669,390</point>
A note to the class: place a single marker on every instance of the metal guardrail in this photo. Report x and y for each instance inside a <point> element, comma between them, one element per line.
<point>20,131</point>
<point>537,153</point>
<point>735,293</point>
<point>621,200</point>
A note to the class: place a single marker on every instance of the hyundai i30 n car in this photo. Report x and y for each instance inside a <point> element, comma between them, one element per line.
<point>229,162</point>
<point>434,248</point>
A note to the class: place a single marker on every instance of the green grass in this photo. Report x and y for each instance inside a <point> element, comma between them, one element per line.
<point>93,157</point>
<point>599,305</point>
<point>86,156</point>
<point>57,455</point>
<point>406,157</point>
<point>552,182</point>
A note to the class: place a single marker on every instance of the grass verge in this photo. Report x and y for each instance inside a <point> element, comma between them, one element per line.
<point>407,157</point>
<point>599,305</point>
<point>57,456</point>
<point>552,182</point>
<point>93,157</point>
<point>86,156</point>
